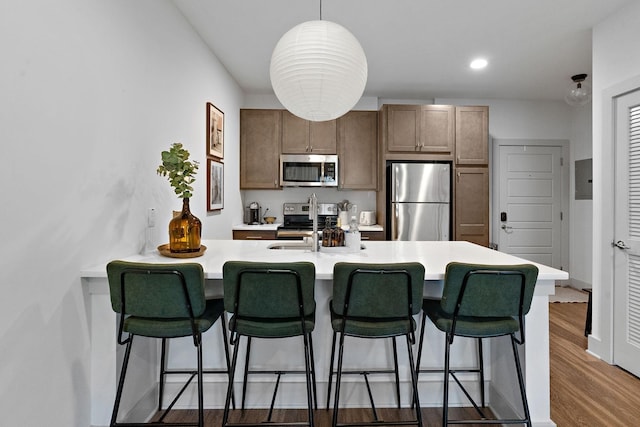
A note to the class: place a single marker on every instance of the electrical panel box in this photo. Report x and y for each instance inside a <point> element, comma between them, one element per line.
<point>584,179</point>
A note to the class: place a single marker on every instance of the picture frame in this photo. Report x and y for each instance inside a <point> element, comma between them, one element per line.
<point>215,185</point>
<point>215,131</point>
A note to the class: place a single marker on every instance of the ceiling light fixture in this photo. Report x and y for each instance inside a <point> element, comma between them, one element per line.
<point>579,92</point>
<point>478,64</point>
<point>318,70</point>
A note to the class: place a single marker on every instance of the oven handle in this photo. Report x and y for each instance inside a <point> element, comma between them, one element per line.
<point>293,234</point>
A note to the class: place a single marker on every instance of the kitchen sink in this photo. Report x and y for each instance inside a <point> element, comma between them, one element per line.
<point>301,246</point>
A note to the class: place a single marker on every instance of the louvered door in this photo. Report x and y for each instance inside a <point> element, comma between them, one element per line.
<point>626,333</point>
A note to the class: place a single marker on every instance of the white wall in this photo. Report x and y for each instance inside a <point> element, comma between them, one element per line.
<point>615,61</point>
<point>91,92</point>
<point>581,217</point>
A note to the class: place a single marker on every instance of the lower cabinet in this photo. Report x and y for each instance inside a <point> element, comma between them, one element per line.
<point>472,205</point>
<point>254,235</point>
<point>372,235</point>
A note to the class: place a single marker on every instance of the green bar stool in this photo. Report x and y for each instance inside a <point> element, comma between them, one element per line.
<point>482,301</point>
<point>375,301</point>
<point>163,301</point>
<point>271,301</point>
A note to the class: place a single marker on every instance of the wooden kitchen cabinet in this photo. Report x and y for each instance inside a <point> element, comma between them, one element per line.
<point>420,128</point>
<point>254,234</point>
<point>372,235</point>
<point>472,135</point>
<point>358,150</point>
<point>471,198</point>
<point>301,136</point>
<point>260,135</point>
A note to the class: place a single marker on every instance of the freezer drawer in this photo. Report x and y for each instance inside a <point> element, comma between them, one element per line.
<point>420,221</point>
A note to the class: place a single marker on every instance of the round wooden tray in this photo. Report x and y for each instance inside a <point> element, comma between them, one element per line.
<point>164,251</point>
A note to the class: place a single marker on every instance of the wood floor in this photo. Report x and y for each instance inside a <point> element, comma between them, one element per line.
<point>584,390</point>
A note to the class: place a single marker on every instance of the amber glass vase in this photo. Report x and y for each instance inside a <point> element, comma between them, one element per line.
<point>184,231</point>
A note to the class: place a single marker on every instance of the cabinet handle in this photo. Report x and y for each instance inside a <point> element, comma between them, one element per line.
<point>253,237</point>
<point>311,148</point>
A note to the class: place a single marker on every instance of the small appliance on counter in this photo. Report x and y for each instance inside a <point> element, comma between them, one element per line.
<point>253,214</point>
<point>367,218</point>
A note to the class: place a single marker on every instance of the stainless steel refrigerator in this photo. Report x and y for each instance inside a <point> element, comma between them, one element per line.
<point>418,201</point>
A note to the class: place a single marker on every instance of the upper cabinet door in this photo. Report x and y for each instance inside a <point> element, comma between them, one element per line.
<point>260,149</point>
<point>358,150</point>
<point>472,135</point>
<point>301,136</point>
<point>403,128</point>
<point>437,129</point>
<point>420,128</point>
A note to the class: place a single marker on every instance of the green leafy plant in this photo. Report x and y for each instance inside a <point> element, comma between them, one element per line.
<point>179,170</point>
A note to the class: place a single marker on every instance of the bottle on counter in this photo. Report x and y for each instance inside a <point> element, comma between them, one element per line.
<point>327,234</point>
<point>353,237</point>
<point>340,236</point>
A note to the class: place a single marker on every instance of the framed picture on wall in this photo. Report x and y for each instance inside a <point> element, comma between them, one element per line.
<point>215,185</point>
<point>215,131</point>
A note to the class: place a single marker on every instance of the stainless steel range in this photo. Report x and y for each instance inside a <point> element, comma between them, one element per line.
<point>297,224</point>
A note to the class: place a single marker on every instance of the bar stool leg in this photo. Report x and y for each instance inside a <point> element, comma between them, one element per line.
<point>163,361</point>
<point>200,385</point>
<point>445,397</point>
<point>333,352</point>
<point>414,383</point>
<point>246,372</point>
<point>225,340</point>
<point>232,373</point>
<point>523,392</point>
<point>308,363</point>
<point>123,373</point>
<point>395,368</point>
<point>338,381</point>
<point>481,367</point>
<point>313,373</point>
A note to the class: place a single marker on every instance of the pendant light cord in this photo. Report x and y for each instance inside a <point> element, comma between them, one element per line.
<point>321,10</point>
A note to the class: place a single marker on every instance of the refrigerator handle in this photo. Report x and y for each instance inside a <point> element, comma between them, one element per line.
<point>394,221</point>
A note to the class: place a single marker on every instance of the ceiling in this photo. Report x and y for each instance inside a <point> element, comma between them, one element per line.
<point>419,49</point>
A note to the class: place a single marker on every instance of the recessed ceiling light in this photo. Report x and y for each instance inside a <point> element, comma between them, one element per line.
<point>478,64</point>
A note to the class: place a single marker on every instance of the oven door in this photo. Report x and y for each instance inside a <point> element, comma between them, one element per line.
<point>292,234</point>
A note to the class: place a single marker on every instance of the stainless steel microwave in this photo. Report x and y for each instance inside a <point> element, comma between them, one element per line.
<point>308,170</point>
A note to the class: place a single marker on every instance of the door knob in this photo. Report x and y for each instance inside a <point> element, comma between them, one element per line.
<point>620,244</point>
<point>506,227</point>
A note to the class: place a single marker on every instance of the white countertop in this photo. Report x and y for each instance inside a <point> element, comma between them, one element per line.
<point>433,255</point>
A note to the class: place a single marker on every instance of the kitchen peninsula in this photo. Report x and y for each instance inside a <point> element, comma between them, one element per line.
<point>106,354</point>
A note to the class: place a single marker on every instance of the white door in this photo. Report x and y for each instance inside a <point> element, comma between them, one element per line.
<point>626,331</point>
<point>530,203</point>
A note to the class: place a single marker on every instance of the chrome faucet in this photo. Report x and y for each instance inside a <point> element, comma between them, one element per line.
<point>313,215</point>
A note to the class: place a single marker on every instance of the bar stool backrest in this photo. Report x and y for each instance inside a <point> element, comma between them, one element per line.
<point>377,290</point>
<point>161,291</point>
<point>488,290</point>
<point>268,290</point>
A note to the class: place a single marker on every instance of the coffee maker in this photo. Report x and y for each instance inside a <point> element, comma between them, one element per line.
<point>253,214</point>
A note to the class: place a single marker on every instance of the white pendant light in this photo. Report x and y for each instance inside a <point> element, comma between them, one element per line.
<point>579,93</point>
<point>318,70</point>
